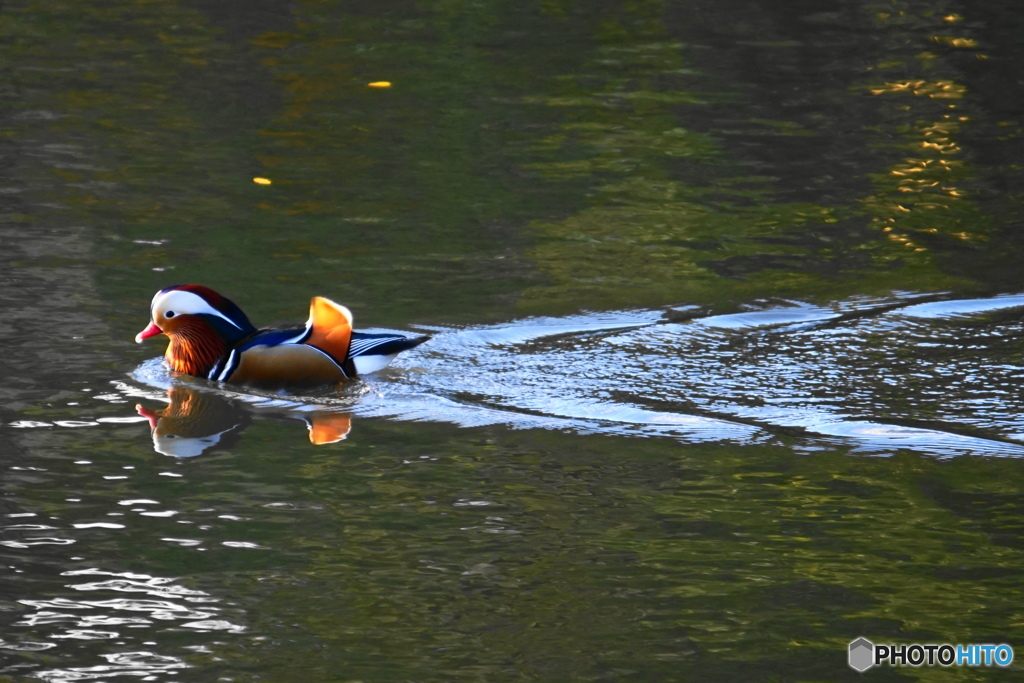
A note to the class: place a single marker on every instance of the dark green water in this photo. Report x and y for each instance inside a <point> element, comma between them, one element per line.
<point>726,372</point>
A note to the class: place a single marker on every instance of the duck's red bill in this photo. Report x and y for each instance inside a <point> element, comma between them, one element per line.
<point>150,331</point>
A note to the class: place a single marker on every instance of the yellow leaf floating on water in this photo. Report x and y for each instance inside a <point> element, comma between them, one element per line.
<point>380,84</point>
<point>261,181</point>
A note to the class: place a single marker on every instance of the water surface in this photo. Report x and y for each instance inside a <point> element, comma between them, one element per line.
<point>726,304</point>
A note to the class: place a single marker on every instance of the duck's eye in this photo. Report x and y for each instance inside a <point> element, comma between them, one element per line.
<point>169,314</point>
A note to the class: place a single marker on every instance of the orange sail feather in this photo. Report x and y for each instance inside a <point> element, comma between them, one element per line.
<point>331,325</point>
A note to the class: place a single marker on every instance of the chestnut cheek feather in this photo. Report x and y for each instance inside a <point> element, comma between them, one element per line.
<point>195,347</point>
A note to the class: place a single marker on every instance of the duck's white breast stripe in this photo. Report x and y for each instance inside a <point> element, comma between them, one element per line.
<point>229,367</point>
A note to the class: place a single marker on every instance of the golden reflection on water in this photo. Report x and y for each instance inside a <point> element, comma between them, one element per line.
<point>938,89</point>
<point>925,195</point>
<point>926,188</point>
<point>930,182</point>
<point>952,41</point>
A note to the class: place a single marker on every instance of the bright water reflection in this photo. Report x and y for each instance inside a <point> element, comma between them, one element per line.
<point>155,600</point>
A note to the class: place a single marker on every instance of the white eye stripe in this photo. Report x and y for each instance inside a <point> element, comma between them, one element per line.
<point>180,302</point>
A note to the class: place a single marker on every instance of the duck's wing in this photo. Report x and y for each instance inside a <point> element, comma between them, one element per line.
<point>279,358</point>
<point>326,350</point>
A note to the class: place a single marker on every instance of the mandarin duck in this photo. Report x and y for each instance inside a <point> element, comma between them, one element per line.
<point>211,337</point>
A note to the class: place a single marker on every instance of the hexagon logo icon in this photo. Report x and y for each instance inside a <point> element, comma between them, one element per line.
<point>862,654</point>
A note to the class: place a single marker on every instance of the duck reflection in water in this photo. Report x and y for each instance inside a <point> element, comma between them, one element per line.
<point>195,422</point>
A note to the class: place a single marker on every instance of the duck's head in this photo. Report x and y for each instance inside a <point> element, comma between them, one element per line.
<point>200,323</point>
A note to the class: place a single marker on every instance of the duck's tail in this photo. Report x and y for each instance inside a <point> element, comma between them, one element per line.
<point>372,352</point>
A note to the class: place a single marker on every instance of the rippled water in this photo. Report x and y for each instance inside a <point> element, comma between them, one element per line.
<point>725,371</point>
<point>438,534</point>
<point>710,509</point>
